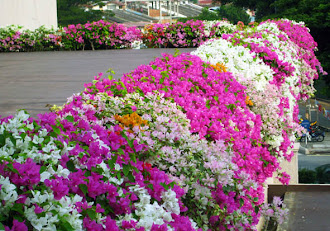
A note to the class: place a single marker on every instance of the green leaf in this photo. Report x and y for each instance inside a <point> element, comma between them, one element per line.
<point>83,188</point>
<point>121,151</point>
<point>161,80</point>
<point>98,170</point>
<point>118,176</point>
<point>91,214</point>
<point>36,126</point>
<point>42,169</point>
<point>131,177</point>
<point>2,140</point>
<point>112,162</point>
<point>256,209</point>
<point>53,134</point>
<point>241,202</point>
<point>126,169</point>
<point>70,166</point>
<point>11,168</point>
<point>19,218</point>
<point>56,130</point>
<point>70,118</point>
<point>2,228</point>
<point>255,199</point>
<point>154,67</point>
<point>13,140</point>
<point>65,225</point>
<point>208,104</point>
<point>18,207</point>
<point>150,186</point>
<point>176,52</point>
<point>171,184</point>
<point>166,187</point>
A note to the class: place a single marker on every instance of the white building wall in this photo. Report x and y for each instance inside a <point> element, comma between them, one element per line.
<point>28,13</point>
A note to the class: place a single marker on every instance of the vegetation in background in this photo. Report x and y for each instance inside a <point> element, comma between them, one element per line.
<point>321,175</point>
<point>315,14</point>
<point>231,13</point>
<point>71,12</point>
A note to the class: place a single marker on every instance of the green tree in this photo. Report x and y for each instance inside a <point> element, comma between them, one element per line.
<point>72,12</point>
<point>315,14</point>
<point>232,13</point>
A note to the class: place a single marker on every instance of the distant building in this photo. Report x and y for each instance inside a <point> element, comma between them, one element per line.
<point>205,2</point>
<point>30,14</point>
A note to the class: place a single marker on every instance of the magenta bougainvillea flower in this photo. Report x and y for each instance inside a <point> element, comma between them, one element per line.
<point>186,142</point>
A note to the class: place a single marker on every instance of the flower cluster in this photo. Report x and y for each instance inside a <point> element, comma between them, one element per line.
<point>276,211</point>
<point>184,143</point>
<point>173,148</point>
<point>273,68</point>
<point>66,172</point>
<point>13,38</point>
<point>106,35</point>
<point>100,35</point>
<point>95,35</point>
<point>189,34</point>
<point>214,103</point>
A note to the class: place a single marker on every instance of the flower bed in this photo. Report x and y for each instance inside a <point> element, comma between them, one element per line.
<point>184,143</point>
<point>189,34</point>
<point>95,35</point>
<point>105,35</point>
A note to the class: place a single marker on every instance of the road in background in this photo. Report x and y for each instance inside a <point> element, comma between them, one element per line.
<point>32,80</point>
<point>312,161</point>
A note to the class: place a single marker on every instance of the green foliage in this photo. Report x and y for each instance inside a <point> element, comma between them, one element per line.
<point>71,12</point>
<point>205,15</point>
<point>232,13</point>
<point>315,14</point>
<point>307,176</point>
<point>321,175</point>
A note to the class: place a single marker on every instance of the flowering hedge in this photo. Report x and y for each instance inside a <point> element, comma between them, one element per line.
<point>13,38</point>
<point>189,34</point>
<point>95,35</point>
<point>184,143</point>
<point>105,35</point>
<point>99,35</point>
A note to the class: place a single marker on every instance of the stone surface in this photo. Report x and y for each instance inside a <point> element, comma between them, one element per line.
<point>32,80</point>
<point>308,211</point>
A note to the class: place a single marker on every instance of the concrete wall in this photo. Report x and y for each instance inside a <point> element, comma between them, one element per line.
<point>28,13</point>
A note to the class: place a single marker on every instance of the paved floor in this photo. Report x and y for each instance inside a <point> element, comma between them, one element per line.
<point>32,80</point>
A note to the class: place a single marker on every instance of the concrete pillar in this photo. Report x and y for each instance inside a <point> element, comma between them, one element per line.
<point>289,167</point>
<point>31,14</point>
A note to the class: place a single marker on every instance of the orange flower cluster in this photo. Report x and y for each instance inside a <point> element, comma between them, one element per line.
<point>248,101</point>
<point>220,67</point>
<point>130,121</point>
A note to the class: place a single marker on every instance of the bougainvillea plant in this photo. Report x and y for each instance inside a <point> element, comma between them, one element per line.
<point>184,143</point>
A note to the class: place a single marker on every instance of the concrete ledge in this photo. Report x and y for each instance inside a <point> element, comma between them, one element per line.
<point>308,205</point>
<point>280,190</point>
<point>314,148</point>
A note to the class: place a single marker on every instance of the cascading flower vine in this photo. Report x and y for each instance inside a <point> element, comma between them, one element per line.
<point>67,172</point>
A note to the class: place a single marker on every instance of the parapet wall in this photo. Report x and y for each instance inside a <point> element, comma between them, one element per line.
<point>28,13</point>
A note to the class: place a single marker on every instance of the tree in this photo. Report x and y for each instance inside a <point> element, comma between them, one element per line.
<point>232,13</point>
<point>315,14</point>
<point>72,12</point>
